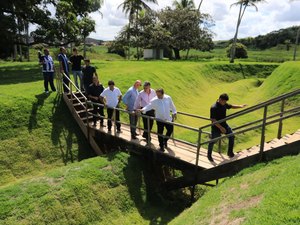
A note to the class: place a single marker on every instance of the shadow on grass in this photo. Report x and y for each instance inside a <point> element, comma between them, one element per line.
<point>157,207</point>
<point>20,74</point>
<point>35,107</point>
<point>65,132</point>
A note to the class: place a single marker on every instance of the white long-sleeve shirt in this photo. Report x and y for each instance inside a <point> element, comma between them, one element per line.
<point>162,108</point>
<point>144,99</point>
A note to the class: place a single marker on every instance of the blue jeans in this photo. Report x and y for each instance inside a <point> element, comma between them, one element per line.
<point>215,133</point>
<point>76,74</point>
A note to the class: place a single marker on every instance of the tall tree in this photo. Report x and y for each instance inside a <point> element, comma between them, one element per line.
<point>132,9</point>
<point>243,4</point>
<point>184,4</point>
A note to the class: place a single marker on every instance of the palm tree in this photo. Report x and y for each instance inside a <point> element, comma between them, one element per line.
<point>184,4</point>
<point>243,4</point>
<point>132,8</point>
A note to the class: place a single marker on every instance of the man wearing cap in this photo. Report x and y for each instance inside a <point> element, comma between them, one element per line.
<point>111,96</point>
<point>163,105</point>
<point>129,100</point>
<point>64,67</point>
<point>88,73</point>
<point>48,70</point>
<point>143,99</point>
<point>75,60</point>
<point>218,112</point>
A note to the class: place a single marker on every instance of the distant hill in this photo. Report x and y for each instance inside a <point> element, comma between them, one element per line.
<point>286,36</point>
<point>93,41</point>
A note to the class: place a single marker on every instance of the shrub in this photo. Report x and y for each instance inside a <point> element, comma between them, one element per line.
<point>240,51</point>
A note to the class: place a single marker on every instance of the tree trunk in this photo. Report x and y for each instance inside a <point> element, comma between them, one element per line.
<point>232,50</point>
<point>137,35</point>
<point>187,53</point>
<point>199,6</point>
<point>84,47</point>
<point>176,53</point>
<point>27,40</point>
<point>296,44</point>
<point>15,52</point>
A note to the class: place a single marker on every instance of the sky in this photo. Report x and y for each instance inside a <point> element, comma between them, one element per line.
<point>271,15</point>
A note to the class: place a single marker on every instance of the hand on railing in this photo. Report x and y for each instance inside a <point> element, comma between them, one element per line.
<point>174,117</point>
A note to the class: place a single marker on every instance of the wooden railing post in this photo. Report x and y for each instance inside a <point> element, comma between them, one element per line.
<point>263,130</point>
<point>115,122</point>
<point>219,145</point>
<point>148,131</point>
<point>196,164</point>
<point>87,121</point>
<point>280,122</point>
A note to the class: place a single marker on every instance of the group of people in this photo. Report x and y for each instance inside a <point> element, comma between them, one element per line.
<point>150,102</point>
<point>82,74</point>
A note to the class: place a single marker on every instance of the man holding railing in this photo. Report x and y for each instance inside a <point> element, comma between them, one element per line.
<point>111,96</point>
<point>163,105</point>
<point>218,112</point>
<point>129,100</point>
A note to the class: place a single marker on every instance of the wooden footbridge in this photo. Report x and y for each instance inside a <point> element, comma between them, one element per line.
<point>191,158</point>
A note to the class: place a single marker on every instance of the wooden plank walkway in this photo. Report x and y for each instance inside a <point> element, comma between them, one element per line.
<point>187,153</point>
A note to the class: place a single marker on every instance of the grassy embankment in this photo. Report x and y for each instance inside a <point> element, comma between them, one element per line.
<point>37,133</point>
<point>266,194</point>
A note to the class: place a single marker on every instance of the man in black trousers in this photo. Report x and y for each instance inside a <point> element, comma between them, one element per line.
<point>94,92</point>
<point>218,112</point>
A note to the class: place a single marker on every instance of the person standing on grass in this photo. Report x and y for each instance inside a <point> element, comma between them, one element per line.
<point>75,60</point>
<point>163,105</point>
<point>64,67</point>
<point>112,96</point>
<point>143,99</point>
<point>218,112</point>
<point>94,92</point>
<point>48,70</point>
<point>88,73</point>
<point>129,100</point>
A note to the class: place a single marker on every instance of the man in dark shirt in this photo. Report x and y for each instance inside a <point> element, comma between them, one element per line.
<point>218,112</point>
<point>75,60</point>
<point>94,91</point>
<point>88,73</point>
<point>64,67</point>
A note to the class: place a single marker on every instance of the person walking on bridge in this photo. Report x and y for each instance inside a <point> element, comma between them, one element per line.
<point>88,73</point>
<point>218,112</point>
<point>112,96</point>
<point>163,105</point>
<point>94,92</point>
<point>143,99</point>
<point>129,100</point>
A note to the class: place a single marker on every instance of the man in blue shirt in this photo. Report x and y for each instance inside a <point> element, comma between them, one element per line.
<point>218,112</point>
<point>64,67</point>
<point>48,70</point>
<point>129,100</point>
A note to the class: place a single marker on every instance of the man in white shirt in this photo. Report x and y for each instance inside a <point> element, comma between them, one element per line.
<point>129,100</point>
<point>111,96</point>
<point>143,99</point>
<point>162,104</point>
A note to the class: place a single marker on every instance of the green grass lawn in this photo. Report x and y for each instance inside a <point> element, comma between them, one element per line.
<point>266,194</point>
<point>38,135</point>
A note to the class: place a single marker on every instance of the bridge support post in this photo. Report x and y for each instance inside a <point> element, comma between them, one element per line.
<point>148,131</point>
<point>263,130</point>
<point>196,165</point>
<point>279,134</point>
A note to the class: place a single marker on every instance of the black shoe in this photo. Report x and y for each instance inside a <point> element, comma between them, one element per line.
<point>109,130</point>
<point>161,149</point>
<point>166,145</point>
<point>102,125</point>
<point>133,137</point>
<point>119,131</point>
<point>210,158</point>
<point>230,155</point>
